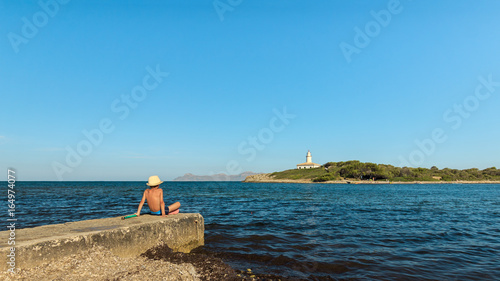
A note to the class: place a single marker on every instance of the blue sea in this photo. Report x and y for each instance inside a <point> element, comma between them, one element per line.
<point>309,231</point>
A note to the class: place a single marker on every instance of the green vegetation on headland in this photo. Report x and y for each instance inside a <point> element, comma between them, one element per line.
<point>355,170</point>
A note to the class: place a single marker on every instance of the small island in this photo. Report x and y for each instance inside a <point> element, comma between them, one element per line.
<point>358,172</point>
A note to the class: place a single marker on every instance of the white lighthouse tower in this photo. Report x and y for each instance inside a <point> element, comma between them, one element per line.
<point>309,163</point>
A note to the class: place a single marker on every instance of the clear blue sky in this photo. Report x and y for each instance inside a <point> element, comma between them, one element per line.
<point>65,67</point>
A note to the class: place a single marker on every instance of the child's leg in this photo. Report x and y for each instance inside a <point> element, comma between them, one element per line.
<point>174,207</point>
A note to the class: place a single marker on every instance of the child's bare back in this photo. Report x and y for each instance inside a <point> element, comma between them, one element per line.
<point>154,197</point>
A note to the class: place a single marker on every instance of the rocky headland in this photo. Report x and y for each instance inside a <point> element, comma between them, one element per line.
<point>269,178</point>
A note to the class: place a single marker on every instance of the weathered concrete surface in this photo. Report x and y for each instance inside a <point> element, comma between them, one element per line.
<point>124,238</point>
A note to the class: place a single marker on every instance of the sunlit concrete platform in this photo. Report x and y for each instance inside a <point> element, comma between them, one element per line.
<point>124,238</point>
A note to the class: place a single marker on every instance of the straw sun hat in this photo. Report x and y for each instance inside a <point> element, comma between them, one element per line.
<point>154,181</point>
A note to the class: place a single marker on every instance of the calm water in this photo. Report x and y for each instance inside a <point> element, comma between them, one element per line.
<point>310,231</point>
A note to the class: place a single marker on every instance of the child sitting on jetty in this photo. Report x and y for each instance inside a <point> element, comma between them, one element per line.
<point>154,196</point>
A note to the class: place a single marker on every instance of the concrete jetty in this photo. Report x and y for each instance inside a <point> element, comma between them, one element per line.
<point>124,238</point>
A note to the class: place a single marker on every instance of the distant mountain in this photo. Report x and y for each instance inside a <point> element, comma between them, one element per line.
<point>216,177</point>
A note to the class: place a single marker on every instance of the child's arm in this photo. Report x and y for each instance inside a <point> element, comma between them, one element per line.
<point>162,203</point>
<point>142,203</point>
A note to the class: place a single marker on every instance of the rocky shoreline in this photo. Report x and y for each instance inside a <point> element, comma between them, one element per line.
<point>158,263</point>
<point>99,263</point>
<point>270,179</point>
